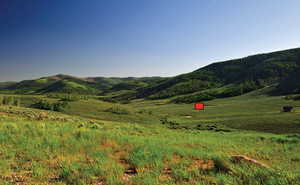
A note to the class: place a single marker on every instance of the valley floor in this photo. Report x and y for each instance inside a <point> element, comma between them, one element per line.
<point>240,140</point>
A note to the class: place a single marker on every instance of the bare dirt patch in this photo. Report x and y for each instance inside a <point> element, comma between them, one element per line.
<point>241,158</point>
<point>203,164</point>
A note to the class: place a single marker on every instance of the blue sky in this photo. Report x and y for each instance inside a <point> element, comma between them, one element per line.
<point>138,37</point>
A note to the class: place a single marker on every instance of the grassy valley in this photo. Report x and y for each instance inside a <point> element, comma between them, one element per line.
<point>151,142</point>
<point>144,131</point>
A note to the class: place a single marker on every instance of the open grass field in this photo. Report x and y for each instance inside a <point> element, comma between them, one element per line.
<point>247,112</point>
<point>240,140</point>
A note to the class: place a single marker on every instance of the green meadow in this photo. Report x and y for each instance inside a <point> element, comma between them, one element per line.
<point>234,141</point>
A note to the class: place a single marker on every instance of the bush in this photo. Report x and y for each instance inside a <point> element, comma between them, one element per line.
<point>17,102</point>
<point>10,100</point>
<point>117,110</point>
<point>68,97</point>
<point>60,106</point>
<point>202,96</point>
<point>57,106</point>
<point>43,104</point>
<point>108,99</point>
<point>292,97</point>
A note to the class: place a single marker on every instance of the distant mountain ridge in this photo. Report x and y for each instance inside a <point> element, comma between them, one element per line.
<point>279,69</point>
<point>61,83</point>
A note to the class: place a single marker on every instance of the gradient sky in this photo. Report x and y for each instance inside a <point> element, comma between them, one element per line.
<point>138,37</point>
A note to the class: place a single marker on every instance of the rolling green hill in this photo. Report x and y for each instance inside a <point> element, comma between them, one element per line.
<point>32,86</point>
<point>231,78</point>
<point>6,84</point>
<point>69,84</point>
<point>278,70</point>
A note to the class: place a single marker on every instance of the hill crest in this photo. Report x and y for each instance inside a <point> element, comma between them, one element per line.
<point>220,79</point>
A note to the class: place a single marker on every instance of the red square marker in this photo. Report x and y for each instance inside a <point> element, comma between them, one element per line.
<point>199,106</point>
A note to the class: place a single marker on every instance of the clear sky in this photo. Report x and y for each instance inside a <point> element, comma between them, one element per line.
<point>138,37</point>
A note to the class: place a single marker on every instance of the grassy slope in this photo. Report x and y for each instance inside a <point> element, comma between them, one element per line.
<point>261,70</point>
<point>63,149</point>
<point>6,84</point>
<point>69,84</point>
<point>249,112</point>
<point>96,109</point>
<point>91,145</point>
<point>252,111</point>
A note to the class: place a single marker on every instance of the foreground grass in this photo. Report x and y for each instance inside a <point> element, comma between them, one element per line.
<point>59,149</point>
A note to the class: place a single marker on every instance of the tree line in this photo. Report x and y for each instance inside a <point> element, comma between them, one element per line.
<point>59,106</point>
<point>10,100</point>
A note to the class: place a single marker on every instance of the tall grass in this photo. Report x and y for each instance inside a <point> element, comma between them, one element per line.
<point>68,149</point>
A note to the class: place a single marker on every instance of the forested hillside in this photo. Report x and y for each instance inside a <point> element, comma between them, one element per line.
<point>231,78</point>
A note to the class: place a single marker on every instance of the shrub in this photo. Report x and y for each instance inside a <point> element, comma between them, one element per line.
<point>202,96</point>
<point>17,102</point>
<point>60,106</point>
<point>108,99</point>
<point>45,105</point>
<point>117,110</point>
<point>221,165</point>
<point>10,100</point>
<point>143,111</point>
<point>292,97</point>
<point>7,100</point>
<point>71,97</point>
<point>68,97</point>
